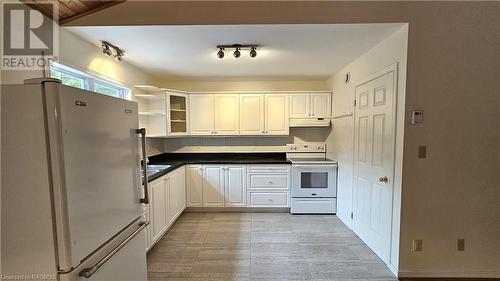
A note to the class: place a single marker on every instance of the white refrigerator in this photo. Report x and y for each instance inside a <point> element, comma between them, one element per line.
<point>71,193</point>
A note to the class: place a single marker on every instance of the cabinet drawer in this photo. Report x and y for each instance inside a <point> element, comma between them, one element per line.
<point>268,168</point>
<point>257,181</point>
<point>268,199</point>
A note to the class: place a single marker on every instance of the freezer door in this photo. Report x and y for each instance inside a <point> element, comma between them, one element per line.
<point>120,260</point>
<point>95,168</point>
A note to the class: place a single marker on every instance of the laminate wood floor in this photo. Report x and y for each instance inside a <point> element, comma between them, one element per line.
<point>264,247</point>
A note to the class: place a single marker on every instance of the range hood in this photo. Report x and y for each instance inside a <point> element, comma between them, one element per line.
<point>310,122</point>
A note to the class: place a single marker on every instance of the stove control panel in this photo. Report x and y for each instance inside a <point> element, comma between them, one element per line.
<point>306,147</point>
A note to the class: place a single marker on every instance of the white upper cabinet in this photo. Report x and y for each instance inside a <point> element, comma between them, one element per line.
<point>299,106</point>
<point>227,114</point>
<point>201,114</point>
<point>277,115</point>
<point>251,114</point>
<point>321,105</point>
<point>177,114</point>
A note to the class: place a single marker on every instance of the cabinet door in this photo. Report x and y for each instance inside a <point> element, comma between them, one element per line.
<point>177,114</point>
<point>277,117</point>
<point>172,197</point>
<point>235,186</point>
<point>182,188</point>
<point>299,106</point>
<point>158,209</point>
<point>227,115</point>
<point>201,114</point>
<point>213,186</point>
<point>251,114</point>
<point>321,105</point>
<point>194,183</point>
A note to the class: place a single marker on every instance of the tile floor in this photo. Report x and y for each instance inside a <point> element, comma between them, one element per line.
<point>262,246</point>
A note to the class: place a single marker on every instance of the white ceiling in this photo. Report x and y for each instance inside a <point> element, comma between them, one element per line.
<point>312,51</point>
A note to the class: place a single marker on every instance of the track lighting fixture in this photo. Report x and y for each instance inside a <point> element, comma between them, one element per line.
<point>108,49</point>
<point>237,50</point>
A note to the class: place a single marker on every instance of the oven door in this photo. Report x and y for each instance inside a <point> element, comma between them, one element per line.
<point>314,180</point>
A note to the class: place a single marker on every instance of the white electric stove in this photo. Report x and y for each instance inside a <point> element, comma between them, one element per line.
<point>314,179</point>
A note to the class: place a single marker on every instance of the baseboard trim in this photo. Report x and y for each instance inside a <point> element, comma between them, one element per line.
<point>473,275</point>
<point>235,210</point>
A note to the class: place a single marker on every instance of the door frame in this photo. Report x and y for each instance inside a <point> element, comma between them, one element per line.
<point>391,68</point>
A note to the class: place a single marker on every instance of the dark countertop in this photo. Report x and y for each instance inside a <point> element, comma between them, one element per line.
<point>177,160</point>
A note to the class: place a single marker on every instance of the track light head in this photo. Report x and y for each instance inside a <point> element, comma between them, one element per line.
<point>106,50</point>
<point>253,52</point>
<point>118,57</point>
<point>220,53</point>
<point>237,53</point>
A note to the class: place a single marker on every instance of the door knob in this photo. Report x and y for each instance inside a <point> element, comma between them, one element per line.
<point>383,179</point>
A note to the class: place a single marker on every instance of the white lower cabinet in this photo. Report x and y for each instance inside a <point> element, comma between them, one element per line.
<point>235,186</point>
<point>194,183</point>
<point>238,185</point>
<point>158,209</point>
<point>213,186</point>
<point>167,201</point>
<point>268,186</point>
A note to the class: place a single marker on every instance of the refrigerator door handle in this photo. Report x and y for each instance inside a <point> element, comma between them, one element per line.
<point>142,132</point>
<point>89,271</point>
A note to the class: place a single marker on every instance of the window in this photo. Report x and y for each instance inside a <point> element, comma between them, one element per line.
<point>78,79</point>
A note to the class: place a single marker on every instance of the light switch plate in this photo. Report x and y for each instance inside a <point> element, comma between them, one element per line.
<point>417,245</point>
<point>461,245</point>
<point>417,117</point>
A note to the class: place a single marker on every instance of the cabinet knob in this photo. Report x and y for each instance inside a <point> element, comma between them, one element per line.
<point>270,199</point>
<point>270,182</point>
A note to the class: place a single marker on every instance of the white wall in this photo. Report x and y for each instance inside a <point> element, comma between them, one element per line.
<point>388,52</point>
<point>84,56</point>
<point>247,85</point>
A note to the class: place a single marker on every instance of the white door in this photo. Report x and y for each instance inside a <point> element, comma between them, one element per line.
<point>201,114</point>
<point>227,115</point>
<point>213,186</point>
<point>277,116</point>
<point>235,186</point>
<point>159,208</point>
<point>374,162</point>
<point>321,105</point>
<point>299,106</point>
<point>194,183</point>
<point>251,114</point>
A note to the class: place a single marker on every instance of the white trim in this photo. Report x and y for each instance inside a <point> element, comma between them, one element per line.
<point>449,274</point>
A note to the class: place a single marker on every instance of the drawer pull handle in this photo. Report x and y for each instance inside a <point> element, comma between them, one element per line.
<point>270,182</point>
<point>270,199</point>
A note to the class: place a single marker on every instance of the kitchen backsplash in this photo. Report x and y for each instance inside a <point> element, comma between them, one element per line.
<point>237,144</point>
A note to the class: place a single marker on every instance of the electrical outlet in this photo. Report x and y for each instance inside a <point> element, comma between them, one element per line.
<point>417,245</point>
<point>461,245</point>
